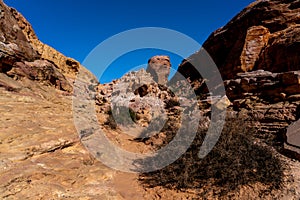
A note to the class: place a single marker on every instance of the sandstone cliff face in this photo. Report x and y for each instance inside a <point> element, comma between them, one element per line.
<point>265,35</point>
<point>12,38</point>
<point>66,65</point>
<point>262,42</point>
<point>23,54</point>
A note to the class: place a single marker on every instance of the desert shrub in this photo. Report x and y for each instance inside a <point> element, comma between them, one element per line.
<point>237,160</point>
<point>124,117</point>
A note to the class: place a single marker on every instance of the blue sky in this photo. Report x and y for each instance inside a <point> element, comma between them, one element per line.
<point>76,27</point>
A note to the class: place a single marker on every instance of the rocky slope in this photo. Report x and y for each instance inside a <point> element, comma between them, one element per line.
<point>41,154</point>
<point>43,157</point>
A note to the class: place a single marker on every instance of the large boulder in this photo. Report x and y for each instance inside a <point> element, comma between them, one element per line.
<point>159,68</point>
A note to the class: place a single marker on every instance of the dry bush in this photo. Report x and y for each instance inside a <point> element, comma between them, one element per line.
<point>238,159</point>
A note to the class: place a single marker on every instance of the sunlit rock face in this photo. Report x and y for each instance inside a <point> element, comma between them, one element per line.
<point>159,68</point>
<point>265,35</point>
<point>256,39</point>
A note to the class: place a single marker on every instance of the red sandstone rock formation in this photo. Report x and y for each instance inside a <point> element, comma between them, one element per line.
<point>265,35</point>
<point>159,68</point>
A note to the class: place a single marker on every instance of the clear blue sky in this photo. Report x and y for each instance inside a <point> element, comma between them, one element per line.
<point>76,27</point>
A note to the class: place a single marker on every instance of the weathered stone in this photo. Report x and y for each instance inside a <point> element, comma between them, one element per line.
<point>293,135</point>
<point>139,93</point>
<point>292,89</point>
<point>39,144</point>
<point>276,51</point>
<point>295,97</point>
<point>291,78</point>
<point>42,71</point>
<point>9,83</point>
<point>11,33</point>
<point>256,39</point>
<point>19,44</point>
<point>264,84</point>
<point>67,66</point>
<point>280,53</point>
<point>223,103</point>
<point>159,68</point>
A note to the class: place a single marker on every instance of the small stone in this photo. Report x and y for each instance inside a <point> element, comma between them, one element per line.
<point>282,95</point>
<point>223,103</point>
